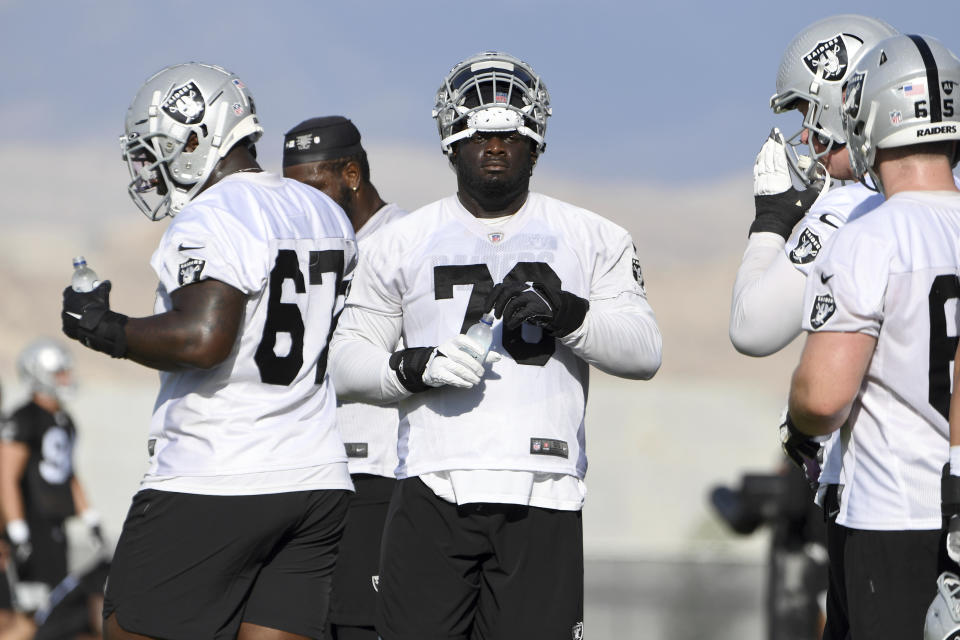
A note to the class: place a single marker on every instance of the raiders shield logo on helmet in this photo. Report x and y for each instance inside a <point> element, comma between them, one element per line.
<point>829,58</point>
<point>851,95</point>
<point>185,104</point>
<point>823,308</point>
<point>808,246</point>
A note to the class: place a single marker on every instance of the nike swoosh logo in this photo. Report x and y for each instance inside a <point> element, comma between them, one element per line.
<point>831,220</point>
<point>824,278</point>
<point>184,247</point>
<point>74,315</point>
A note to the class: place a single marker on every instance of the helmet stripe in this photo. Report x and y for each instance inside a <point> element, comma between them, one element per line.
<point>933,77</point>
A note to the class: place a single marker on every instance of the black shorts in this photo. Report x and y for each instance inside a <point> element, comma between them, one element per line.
<point>889,579</point>
<point>352,601</point>
<point>48,561</point>
<point>478,571</point>
<point>196,566</point>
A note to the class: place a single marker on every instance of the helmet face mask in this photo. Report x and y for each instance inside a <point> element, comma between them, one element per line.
<point>812,70</point>
<point>490,92</point>
<point>900,94</point>
<point>45,367</point>
<point>182,121</point>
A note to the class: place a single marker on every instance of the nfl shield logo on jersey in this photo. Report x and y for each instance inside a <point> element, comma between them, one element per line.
<point>823,308</point>
<point>495,237</point>
<point>808,246</point>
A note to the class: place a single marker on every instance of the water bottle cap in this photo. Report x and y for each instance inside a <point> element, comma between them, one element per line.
<point>79,261</point>
<point>487,319</point>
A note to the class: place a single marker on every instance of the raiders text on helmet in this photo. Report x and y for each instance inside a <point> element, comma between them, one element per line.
<point>40,362</point>
<point>491,91</point>
<point>900,93</point>
<point>172,107</point>
<point>813,69</point>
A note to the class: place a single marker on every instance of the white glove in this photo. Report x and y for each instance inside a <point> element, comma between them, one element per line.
<point>953,538</point>
<point>451,364</point>
<point>771,171</point>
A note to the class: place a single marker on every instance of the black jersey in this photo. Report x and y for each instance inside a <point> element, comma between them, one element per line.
<point>45,483</point>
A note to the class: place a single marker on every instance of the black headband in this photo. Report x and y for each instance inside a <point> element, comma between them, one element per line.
<point>319,139</point>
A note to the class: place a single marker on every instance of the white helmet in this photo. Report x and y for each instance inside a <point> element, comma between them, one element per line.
<point>40,362</point>
<point>492,91</point>
<point>170,107</point>
<point>902,92</point>
<point>813,69</point>
<point>943,616</point>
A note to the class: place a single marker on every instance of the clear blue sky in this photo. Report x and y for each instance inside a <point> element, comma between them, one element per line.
<point>659,91</point>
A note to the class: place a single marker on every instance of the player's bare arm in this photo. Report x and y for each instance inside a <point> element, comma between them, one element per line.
<point>199,331</point>
<point>827,380</point>
<point>13,462</point>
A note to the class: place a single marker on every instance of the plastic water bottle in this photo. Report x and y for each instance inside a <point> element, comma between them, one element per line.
<point>482,334</point>
<point>84,278</point>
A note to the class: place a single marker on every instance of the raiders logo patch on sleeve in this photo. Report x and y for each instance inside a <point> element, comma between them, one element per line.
<point>190,271</point>
<point>808,246</point>
<point>823,308</point>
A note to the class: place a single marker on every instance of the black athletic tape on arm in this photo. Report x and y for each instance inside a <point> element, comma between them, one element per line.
<point>949,492</point>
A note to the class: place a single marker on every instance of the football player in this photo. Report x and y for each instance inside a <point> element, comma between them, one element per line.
<point>785,237</point>
<point>326,153</point>
<point>39,489</point>
<point>880,307</point>
<point>484,526</point>
<point>235,528</point>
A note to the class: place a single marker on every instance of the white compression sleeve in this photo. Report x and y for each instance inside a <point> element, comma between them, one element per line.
<point>767,304</point>
<point>360,357</point>
<point>619,336</point>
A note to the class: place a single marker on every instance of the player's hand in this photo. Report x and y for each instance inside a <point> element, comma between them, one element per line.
<point>779,206</point>
<point>87,317</point>
<point>953,538</point>
<point>92,519</point>
<point>452,363</point>
<point>802,449</point>
<point>421,368</point>
<point>18,533</point>
<point>556,311</point>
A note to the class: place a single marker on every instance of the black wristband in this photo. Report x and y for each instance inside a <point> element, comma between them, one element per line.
<point>410,365</point>
<point>779,212</point>
<point>103,330</point>
<point>949,492</point>
<point>570,315</point>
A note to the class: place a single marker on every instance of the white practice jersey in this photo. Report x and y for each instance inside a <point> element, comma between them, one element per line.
<point>262,421</point>
<point>369,431</point>
<point>893,275</point>
<point>435,267</point>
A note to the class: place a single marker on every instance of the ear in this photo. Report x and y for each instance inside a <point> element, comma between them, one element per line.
<point>351,174</point>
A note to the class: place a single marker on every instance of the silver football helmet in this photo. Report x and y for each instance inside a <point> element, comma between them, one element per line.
<point>181,122</point>
<point>813,69</point>
<point>492,91</point>
<point>45,366</point>
<point>943,616</point>
<point>902,92</point>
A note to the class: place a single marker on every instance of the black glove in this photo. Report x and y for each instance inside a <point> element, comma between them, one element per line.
<point>87,318</point>
<point>802,450</point>
<point>555,311</point>
<point>410,365</point>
